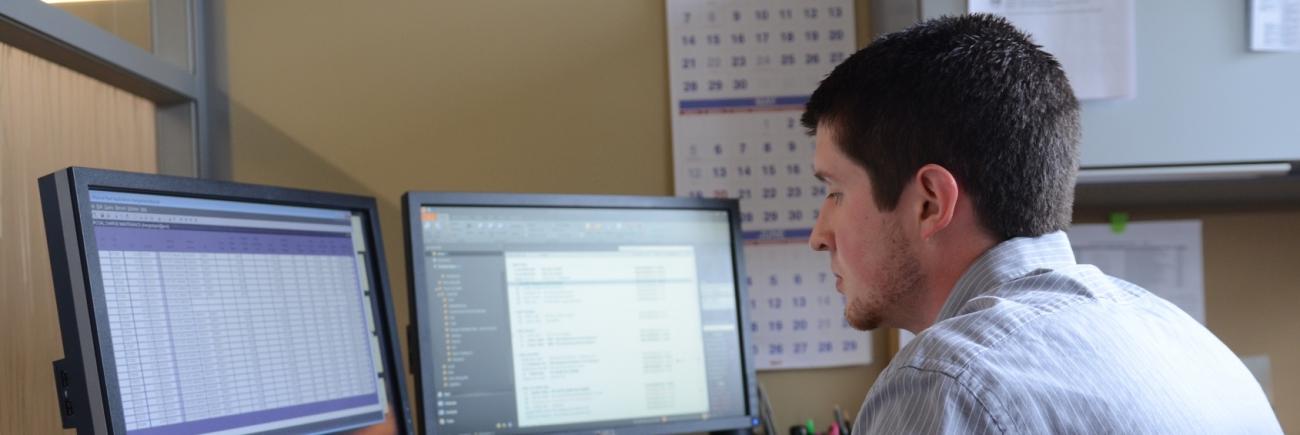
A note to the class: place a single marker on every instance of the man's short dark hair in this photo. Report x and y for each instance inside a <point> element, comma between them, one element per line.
<point>969,93</point>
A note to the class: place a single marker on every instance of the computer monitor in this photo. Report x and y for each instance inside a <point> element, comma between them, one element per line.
<point>194,306</point>
<point>565,313</point>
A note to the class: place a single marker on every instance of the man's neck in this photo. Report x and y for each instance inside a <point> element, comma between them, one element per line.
<point>941,278</point>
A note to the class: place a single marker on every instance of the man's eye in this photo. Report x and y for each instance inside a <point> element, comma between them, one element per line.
<point>834,196</point>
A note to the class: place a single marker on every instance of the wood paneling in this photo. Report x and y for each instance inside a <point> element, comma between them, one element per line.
<point>50,118</point>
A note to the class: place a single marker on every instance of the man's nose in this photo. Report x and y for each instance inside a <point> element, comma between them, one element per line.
<point>820,239</point>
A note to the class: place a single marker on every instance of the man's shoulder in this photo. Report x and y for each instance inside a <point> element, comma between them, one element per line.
<point>1038,351</point>
<point>1019,314</point>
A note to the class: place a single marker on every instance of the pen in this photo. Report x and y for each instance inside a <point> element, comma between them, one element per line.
<point>839,418</point>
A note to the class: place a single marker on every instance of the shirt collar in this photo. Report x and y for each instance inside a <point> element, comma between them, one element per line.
<point>1007,261</point>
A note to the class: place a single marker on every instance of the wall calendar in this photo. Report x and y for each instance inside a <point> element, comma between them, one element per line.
<point>741,72</point>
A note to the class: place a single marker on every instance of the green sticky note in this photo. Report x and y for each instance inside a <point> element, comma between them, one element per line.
<point>1118,221</point>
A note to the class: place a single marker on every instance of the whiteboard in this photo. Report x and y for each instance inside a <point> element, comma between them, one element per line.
<point>1202,96</point>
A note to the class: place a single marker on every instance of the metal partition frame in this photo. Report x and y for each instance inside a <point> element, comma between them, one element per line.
<point>181,77</point>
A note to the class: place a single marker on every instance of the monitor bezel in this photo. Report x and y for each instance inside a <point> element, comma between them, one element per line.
<point>65,199</point>
<point>413,201</point>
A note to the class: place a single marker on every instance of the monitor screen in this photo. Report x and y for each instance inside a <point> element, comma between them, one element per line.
<point>577,317</point>
<point>220,315</point>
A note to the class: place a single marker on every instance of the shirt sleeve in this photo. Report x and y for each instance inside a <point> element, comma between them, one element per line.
<point>912,400</point>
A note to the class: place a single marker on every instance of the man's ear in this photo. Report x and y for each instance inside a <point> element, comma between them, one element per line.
<point>938,199</point>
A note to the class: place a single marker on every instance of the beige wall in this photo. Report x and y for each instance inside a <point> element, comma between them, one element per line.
<point>126,19</point>
<point>50,118</point>
<point>1252,295</point>
<point>561,96</point>
<point>570,96</point>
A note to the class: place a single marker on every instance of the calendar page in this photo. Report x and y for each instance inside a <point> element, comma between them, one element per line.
<point>741,72</point>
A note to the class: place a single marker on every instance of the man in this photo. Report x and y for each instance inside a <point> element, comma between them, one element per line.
<point>949,152</point>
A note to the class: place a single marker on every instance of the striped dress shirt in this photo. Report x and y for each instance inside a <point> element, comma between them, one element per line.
<point>1029,342</point>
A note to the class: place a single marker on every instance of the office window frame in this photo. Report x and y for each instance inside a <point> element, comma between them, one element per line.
<point>181,76</point>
